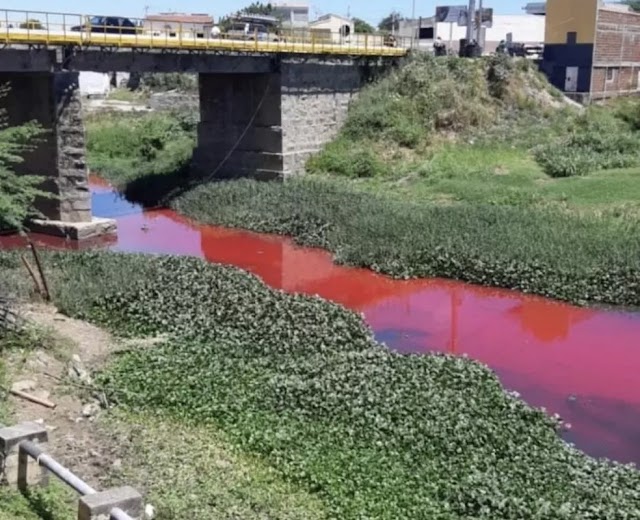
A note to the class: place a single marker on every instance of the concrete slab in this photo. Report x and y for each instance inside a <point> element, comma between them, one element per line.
<point>97,227</point>
<point>99,505</point>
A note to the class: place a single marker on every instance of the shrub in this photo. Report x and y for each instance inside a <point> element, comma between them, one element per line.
<point>302,384</point>
<point>123,148</point>
<point>340,158</point>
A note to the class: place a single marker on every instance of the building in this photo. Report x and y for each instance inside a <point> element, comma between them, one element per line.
<point>293,15</point>
<point>196,25</point>
<point>592,49</point>
<point>339,26</point>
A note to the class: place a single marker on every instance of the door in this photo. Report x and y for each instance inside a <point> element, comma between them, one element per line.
<point>571,79</point>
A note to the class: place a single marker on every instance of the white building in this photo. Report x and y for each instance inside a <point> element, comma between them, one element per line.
<point>294,14</point>
<point>340,26</point>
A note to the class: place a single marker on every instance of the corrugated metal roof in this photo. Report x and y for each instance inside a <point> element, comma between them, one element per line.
<point>181,18</point>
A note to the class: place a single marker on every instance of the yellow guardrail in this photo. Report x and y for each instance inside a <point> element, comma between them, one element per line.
<point>57,29</point>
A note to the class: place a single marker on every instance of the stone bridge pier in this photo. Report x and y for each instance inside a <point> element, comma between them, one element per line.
<point>52,99</point>
<point>266,125</point>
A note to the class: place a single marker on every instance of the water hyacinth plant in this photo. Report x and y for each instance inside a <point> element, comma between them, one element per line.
<point>301,383</point>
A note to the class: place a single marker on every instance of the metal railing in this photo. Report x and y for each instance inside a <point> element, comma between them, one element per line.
<point>29,449</point>
<point>57,29</point>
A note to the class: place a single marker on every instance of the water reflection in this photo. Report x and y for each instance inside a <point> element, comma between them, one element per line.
<point>581,363</point>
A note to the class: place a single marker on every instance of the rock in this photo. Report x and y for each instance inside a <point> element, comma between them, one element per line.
<point>117,464</point>
<point>24,386</point>
<point>39,421</point>
<point>149,512</point>
<point>90,410</point>
<point>78,371</point>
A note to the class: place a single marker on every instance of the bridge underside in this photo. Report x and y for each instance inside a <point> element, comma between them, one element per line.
<point>260,116</point>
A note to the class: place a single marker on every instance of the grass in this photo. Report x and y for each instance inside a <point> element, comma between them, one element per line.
<point>347,428</point>
<point>190,471</point>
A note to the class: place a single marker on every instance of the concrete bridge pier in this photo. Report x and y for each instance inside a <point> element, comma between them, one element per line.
<point>53,100</point>
<point>267,124</point>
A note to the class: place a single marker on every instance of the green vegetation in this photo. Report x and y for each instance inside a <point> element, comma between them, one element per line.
<point>362,27</point>
<point>147,156</point>
<point>17,193</point>
<point>548,252</point>
<point>50,503</point>
<point>470,169</point>
<point>301,384</point>
<point>193,472</point>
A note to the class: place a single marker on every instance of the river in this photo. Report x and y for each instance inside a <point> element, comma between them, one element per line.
<point>581,363</point>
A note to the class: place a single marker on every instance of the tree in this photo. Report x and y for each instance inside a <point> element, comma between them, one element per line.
<point>634,4</point>
<point>17,192</point>
<point>32,24</point>
<point>258,8</point>
<point>362,27</point>
<point>390,22</point>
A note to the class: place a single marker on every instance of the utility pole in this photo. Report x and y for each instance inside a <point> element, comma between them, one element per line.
<point>471,15</point>
<point>479,22</point>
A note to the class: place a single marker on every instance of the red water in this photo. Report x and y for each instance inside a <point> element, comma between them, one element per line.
<point>581,363</point>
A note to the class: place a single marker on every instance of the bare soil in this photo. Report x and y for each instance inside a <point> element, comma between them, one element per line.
<point>76,437</point>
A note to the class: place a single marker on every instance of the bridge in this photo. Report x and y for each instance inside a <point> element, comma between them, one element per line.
<point>265,106</point>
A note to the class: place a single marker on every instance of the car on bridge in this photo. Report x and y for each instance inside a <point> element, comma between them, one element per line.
<point>108,25</point>
<point>252,28</point>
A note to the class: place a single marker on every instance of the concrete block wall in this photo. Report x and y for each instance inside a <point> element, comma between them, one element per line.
<point>52,100</point>
<point>275,120</point>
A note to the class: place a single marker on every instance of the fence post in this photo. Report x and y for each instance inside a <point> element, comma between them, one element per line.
<point>17,469</point>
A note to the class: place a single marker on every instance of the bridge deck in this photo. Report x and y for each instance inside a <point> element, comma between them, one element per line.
<point>60,29</point>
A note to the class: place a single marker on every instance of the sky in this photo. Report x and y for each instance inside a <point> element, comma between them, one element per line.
<point>370,10</point>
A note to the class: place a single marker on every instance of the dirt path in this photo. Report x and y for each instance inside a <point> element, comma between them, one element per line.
<point>63,376</point>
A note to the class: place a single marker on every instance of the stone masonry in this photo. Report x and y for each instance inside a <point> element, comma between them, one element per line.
<point>53,101</point>
<point>274,120</point>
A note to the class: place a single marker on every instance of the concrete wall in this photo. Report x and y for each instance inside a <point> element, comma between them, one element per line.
<point>53,100</point>
<point>275,121</point>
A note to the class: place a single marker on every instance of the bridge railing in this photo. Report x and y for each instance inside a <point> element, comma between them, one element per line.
<point>55,29</point>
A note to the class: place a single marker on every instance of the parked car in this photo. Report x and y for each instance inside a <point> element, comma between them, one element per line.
<point>251,31</point>
<point>108,25</point>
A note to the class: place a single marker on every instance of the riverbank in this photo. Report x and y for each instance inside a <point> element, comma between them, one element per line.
<point>300,384</point>
<point>502,184</point>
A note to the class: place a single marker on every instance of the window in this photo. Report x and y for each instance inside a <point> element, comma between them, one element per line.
<point>612,73</point>
<point>300,15</point>
<point>425,33</point>
<point>572,38</point>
